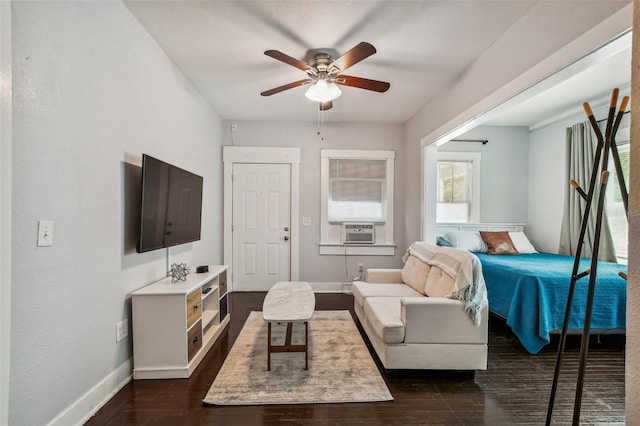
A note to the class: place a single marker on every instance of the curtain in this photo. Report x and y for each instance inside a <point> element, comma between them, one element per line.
<point>580,154</point>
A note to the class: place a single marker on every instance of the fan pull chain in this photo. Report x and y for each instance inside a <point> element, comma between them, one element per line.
<point>320,122</point>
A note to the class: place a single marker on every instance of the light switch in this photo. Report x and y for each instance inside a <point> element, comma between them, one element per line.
<point>45,233</point>
<point>306,221</point>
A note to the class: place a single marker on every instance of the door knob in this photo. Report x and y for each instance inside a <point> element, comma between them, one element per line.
<point>286,238</point>
<point>286,228</point>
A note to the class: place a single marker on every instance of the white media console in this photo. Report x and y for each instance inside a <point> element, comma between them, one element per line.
<point>175,324</point>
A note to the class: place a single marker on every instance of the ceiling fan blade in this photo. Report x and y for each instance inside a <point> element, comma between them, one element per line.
<point>353,56</point>
<point>286,87</point>
<point>325,105</point>
<point>276,54</point>
<point>363,83</point>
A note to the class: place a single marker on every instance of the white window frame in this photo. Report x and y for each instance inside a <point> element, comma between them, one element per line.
<point>331,232</point>
<point>474,158</point>
<point>623,140</point>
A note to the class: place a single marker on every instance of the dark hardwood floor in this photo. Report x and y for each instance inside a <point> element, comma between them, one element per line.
<point>512,391</point>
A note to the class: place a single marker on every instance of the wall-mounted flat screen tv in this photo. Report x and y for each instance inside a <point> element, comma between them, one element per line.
<point>171,205</point>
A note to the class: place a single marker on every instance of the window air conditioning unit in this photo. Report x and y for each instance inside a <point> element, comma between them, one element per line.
<point>358,233</point>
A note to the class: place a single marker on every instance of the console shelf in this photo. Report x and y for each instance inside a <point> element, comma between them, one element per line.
<point>175,324</point>
<point>209,316</point>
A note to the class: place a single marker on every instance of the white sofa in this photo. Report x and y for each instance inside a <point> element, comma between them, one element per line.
<point>410,330</point>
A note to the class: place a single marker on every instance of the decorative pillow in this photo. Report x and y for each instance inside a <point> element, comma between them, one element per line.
<point>415,273</point>
<point>442,242</point>
<point>521,242</point>
<point>498,242</point>
<point>466,240</point>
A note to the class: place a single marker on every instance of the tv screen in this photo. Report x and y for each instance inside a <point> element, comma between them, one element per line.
<point>171,205</point>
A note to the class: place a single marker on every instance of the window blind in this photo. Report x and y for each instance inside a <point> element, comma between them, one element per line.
<point>356,188</point>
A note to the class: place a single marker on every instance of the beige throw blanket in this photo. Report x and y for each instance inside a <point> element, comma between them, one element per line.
<point>463,267</point>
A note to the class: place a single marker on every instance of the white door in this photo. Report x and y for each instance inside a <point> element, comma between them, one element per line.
<point>261,225</point>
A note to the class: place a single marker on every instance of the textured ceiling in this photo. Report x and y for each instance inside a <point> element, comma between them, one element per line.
<point>423,47</point>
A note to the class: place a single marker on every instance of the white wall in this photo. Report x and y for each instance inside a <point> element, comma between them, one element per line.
<point>313,266</point>
<point>503,170</point>
<point>92,92</point>
<point>548,179</point>
<point>5,207</point>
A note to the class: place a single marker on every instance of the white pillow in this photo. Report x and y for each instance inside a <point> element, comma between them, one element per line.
<point>467,240</point>
<point>522,243</point>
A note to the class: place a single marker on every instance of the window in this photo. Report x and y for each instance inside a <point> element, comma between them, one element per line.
<point>454,191</point>
<point>618,223</point>
<point>458,187</point>
<point>356,186</point>
<point>357,190</point>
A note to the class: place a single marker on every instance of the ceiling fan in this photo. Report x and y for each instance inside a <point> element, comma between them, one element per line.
<point>325,74</point>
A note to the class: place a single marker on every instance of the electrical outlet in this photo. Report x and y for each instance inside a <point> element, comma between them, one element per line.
<point>122,330</point>
<point>234,127</point>
<point>360,267</point>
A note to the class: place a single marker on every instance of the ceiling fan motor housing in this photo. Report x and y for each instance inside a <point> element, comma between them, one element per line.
<point>321,61</point>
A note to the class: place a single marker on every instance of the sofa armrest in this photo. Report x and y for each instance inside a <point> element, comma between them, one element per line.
<point>384,276</point>
<point>440,320</point>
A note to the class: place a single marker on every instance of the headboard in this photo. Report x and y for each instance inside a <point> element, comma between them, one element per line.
<point>443,228</point>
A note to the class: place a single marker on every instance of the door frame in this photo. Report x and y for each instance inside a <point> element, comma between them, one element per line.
<point>260,155</point>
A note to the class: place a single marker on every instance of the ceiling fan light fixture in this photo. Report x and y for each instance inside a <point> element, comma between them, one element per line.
<point>334,91</point>
<point>322,91</point>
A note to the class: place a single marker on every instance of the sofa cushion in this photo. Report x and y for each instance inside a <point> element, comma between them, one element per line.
<point>363,290</point>
<point>439,284</point>
<point>415,273</point>
<point>383,314</point>
<point>440,320</point>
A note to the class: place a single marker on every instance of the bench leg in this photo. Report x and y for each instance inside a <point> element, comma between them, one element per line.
<point>269,346</point>
<point>306,345</point>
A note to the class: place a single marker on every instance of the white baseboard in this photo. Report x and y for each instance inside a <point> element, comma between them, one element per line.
<point>331,287</point>
<point>89,403</point>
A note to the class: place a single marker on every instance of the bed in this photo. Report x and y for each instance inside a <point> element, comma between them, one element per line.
<point>529,291</point>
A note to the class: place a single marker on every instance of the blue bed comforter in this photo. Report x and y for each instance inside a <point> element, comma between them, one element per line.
<point>530,291</point>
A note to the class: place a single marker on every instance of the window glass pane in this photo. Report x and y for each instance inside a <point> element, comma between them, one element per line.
<point>454,191</point>
<point>355,211</point>
<point>357,189</point>
<point>616,216</point>
<point>452,212</point>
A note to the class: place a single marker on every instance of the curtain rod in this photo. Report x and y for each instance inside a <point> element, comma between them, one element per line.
<point>483,141</point>
<point>605,119</point>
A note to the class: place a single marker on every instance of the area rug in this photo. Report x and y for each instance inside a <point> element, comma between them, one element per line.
<point>340,366</point>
